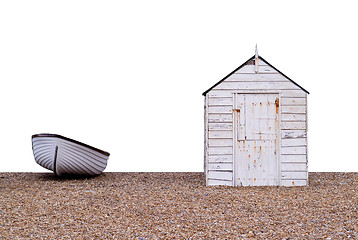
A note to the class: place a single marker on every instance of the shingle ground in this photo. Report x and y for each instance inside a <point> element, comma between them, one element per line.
<point>174,206</point>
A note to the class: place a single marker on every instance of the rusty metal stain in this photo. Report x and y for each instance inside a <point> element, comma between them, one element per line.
<point>293,183</point>
<point>254,179</point>
<point>277,102</point>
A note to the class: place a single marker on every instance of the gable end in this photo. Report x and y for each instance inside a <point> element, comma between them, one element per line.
<point>248,62</point>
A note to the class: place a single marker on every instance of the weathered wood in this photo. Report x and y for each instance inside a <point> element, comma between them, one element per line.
<point>220,142</point>
<point>241,118</point>
<point>293,125</point>
<point>251,69</point>
<point>220,126</point>
<point>259,77</point>
<point>220,93</point>
<point>259,107</point>
<point>293,150</point>
<point>294,175</point>
<point>215,182</point>
<point>294,167</point>
<point>220,175</point>
<point>292,183</point>
<point>294,158</point>
<point>228,92</point>
<point>206,137</point>
<point>220,150</point>
<point>216,118</point>
<point>293,109</point>
<point>226,101</point>
<point>226,119</point>
<point>293,93</point>
<point>220,166</point>
<point>256,85</point>
<point>220,158</point>
<point>293,142</point>
<point>293,101</point>
<point>293,117</point>
<point>220,109</point>
<point>220,134</point>
<point>293,133</point>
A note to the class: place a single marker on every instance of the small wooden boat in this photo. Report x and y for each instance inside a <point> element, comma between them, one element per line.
<point>65,156</point>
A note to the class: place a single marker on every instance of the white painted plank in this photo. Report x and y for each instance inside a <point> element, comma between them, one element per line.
<point>241,128</point>
<point>216,182</point>
<point>294,167</point>
<point>293,133</point>
<point>220,93</point>
<point>220,166</point>
<point>223,101</point>
<point>294,158</point>
<point>253,77</point>
<point>220,158</point>
<point>220,118</point>
<point>256,85</point>
<point>292,183</point>
<point>293,109</point>
<point>293,101</point>
<point>284,92</point>
<point>262,63</point>
<point>220,134</point>
<point>293,125</point>
<point>293,117</point>
<point>293,150</point>
<point>294,175</point>
<point>220,150</point>
<point>293,142</point>
<point>220,126</point>
<point>220,109</point>
<point>220,142</point>
<point>293,93</point>
<point>251,69</point>
<point>224,175</point>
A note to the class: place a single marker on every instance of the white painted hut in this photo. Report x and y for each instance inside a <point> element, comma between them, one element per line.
<point>256,128</point>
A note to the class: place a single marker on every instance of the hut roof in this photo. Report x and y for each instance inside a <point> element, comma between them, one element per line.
<point>253,57</point>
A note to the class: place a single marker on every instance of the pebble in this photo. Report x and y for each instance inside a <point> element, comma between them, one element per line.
<point>174,206</point>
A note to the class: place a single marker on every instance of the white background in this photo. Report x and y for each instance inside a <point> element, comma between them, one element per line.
<point>127,76</point>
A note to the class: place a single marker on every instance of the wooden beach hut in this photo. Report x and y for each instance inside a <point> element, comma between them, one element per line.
<point>256,128</point>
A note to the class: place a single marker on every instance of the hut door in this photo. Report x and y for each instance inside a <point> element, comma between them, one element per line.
<point>257,139</point>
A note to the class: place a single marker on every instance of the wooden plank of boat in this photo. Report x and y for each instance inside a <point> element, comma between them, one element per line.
<point>63,155</point>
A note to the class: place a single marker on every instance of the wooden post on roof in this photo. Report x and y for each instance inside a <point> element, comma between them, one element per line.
<point>256,60</point>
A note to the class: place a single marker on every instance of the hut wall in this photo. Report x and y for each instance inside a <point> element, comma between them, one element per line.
<point>219,124</point>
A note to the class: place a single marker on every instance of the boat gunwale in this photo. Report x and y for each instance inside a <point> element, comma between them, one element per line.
<point>70,140</point>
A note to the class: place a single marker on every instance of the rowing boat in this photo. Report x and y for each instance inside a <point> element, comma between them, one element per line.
<point>65,156</point>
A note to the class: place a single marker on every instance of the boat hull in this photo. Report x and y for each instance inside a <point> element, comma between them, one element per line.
<point>65,156</point>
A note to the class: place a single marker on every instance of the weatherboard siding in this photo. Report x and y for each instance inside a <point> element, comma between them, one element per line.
<point>219,124</point>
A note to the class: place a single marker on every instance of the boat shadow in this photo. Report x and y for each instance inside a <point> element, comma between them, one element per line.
<point>53,177</point>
